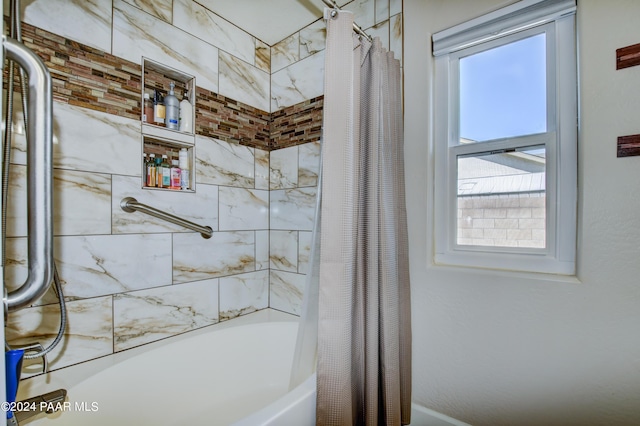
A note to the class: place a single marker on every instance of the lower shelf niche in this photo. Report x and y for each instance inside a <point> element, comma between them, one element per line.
<point>171,149</point>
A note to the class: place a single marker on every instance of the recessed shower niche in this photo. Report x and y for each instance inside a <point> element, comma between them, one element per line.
<point>158,140</point>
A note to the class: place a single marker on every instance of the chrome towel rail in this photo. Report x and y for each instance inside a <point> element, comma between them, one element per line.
<point>130,205</point>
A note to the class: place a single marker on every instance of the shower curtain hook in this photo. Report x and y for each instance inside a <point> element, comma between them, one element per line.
<point>334,12</point>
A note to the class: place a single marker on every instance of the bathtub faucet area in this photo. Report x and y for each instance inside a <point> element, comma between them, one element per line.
<point>46,403</point>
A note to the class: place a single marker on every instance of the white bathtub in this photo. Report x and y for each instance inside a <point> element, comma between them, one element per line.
<point>212,376</point>
<point>236,372</point>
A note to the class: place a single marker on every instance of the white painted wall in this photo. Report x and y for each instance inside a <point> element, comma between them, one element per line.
<point>505,349</point>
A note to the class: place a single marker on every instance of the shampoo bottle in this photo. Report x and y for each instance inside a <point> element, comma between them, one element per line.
<point>186,114</point>
<point>147,109</point>
<point>172,106</point>
<point>166,172</point>
<point>158,109</point>
<point>145,163</point>
<point>158,162</point>
<point>151,170</point>
<point>175,175</point>
<point>183,155</point>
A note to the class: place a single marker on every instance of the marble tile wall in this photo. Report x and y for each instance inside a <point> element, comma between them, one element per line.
<point>293,183</point>
<point>88,77</point>
<point>106,77</point>
<point>128,278</point>
<point>297,62</point>
<point>137,34</point>
<point>86,21</point>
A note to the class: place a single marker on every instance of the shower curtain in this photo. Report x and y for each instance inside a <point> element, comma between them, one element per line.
<point>364,325</point>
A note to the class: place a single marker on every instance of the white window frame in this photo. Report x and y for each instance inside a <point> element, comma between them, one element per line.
<point>556,18</point>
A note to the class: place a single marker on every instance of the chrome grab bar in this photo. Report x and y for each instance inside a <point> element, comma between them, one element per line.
<point>39,177</point>
<point>130,205</point>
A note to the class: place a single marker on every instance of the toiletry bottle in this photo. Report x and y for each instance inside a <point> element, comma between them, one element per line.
<point>147,109</point>
<point>172,108</point>
<point>158,162</point>
<point>151,170</point>
<point>158,109</point>
<point>145,160</point>
<point>183,155</point>
<point>175,175</point>
<point>186,114</point>
<point>166,172</point>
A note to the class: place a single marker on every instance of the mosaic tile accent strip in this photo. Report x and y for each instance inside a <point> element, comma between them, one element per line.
<point>87,77</point>
<point>297,124</point>
<point>226,119</point>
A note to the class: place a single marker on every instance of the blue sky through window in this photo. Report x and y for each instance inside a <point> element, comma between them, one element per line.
<point>503,91</point>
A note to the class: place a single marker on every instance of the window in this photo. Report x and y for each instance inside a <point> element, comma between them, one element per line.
<point>506,139</point>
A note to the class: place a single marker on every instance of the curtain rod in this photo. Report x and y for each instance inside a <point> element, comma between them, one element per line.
<point>332,4</point>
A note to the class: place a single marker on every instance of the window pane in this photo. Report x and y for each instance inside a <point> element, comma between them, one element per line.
<point>501,199</point>
<point>503,91</point>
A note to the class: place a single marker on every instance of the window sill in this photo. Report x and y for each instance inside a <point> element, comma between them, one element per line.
<point>504,273</point>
